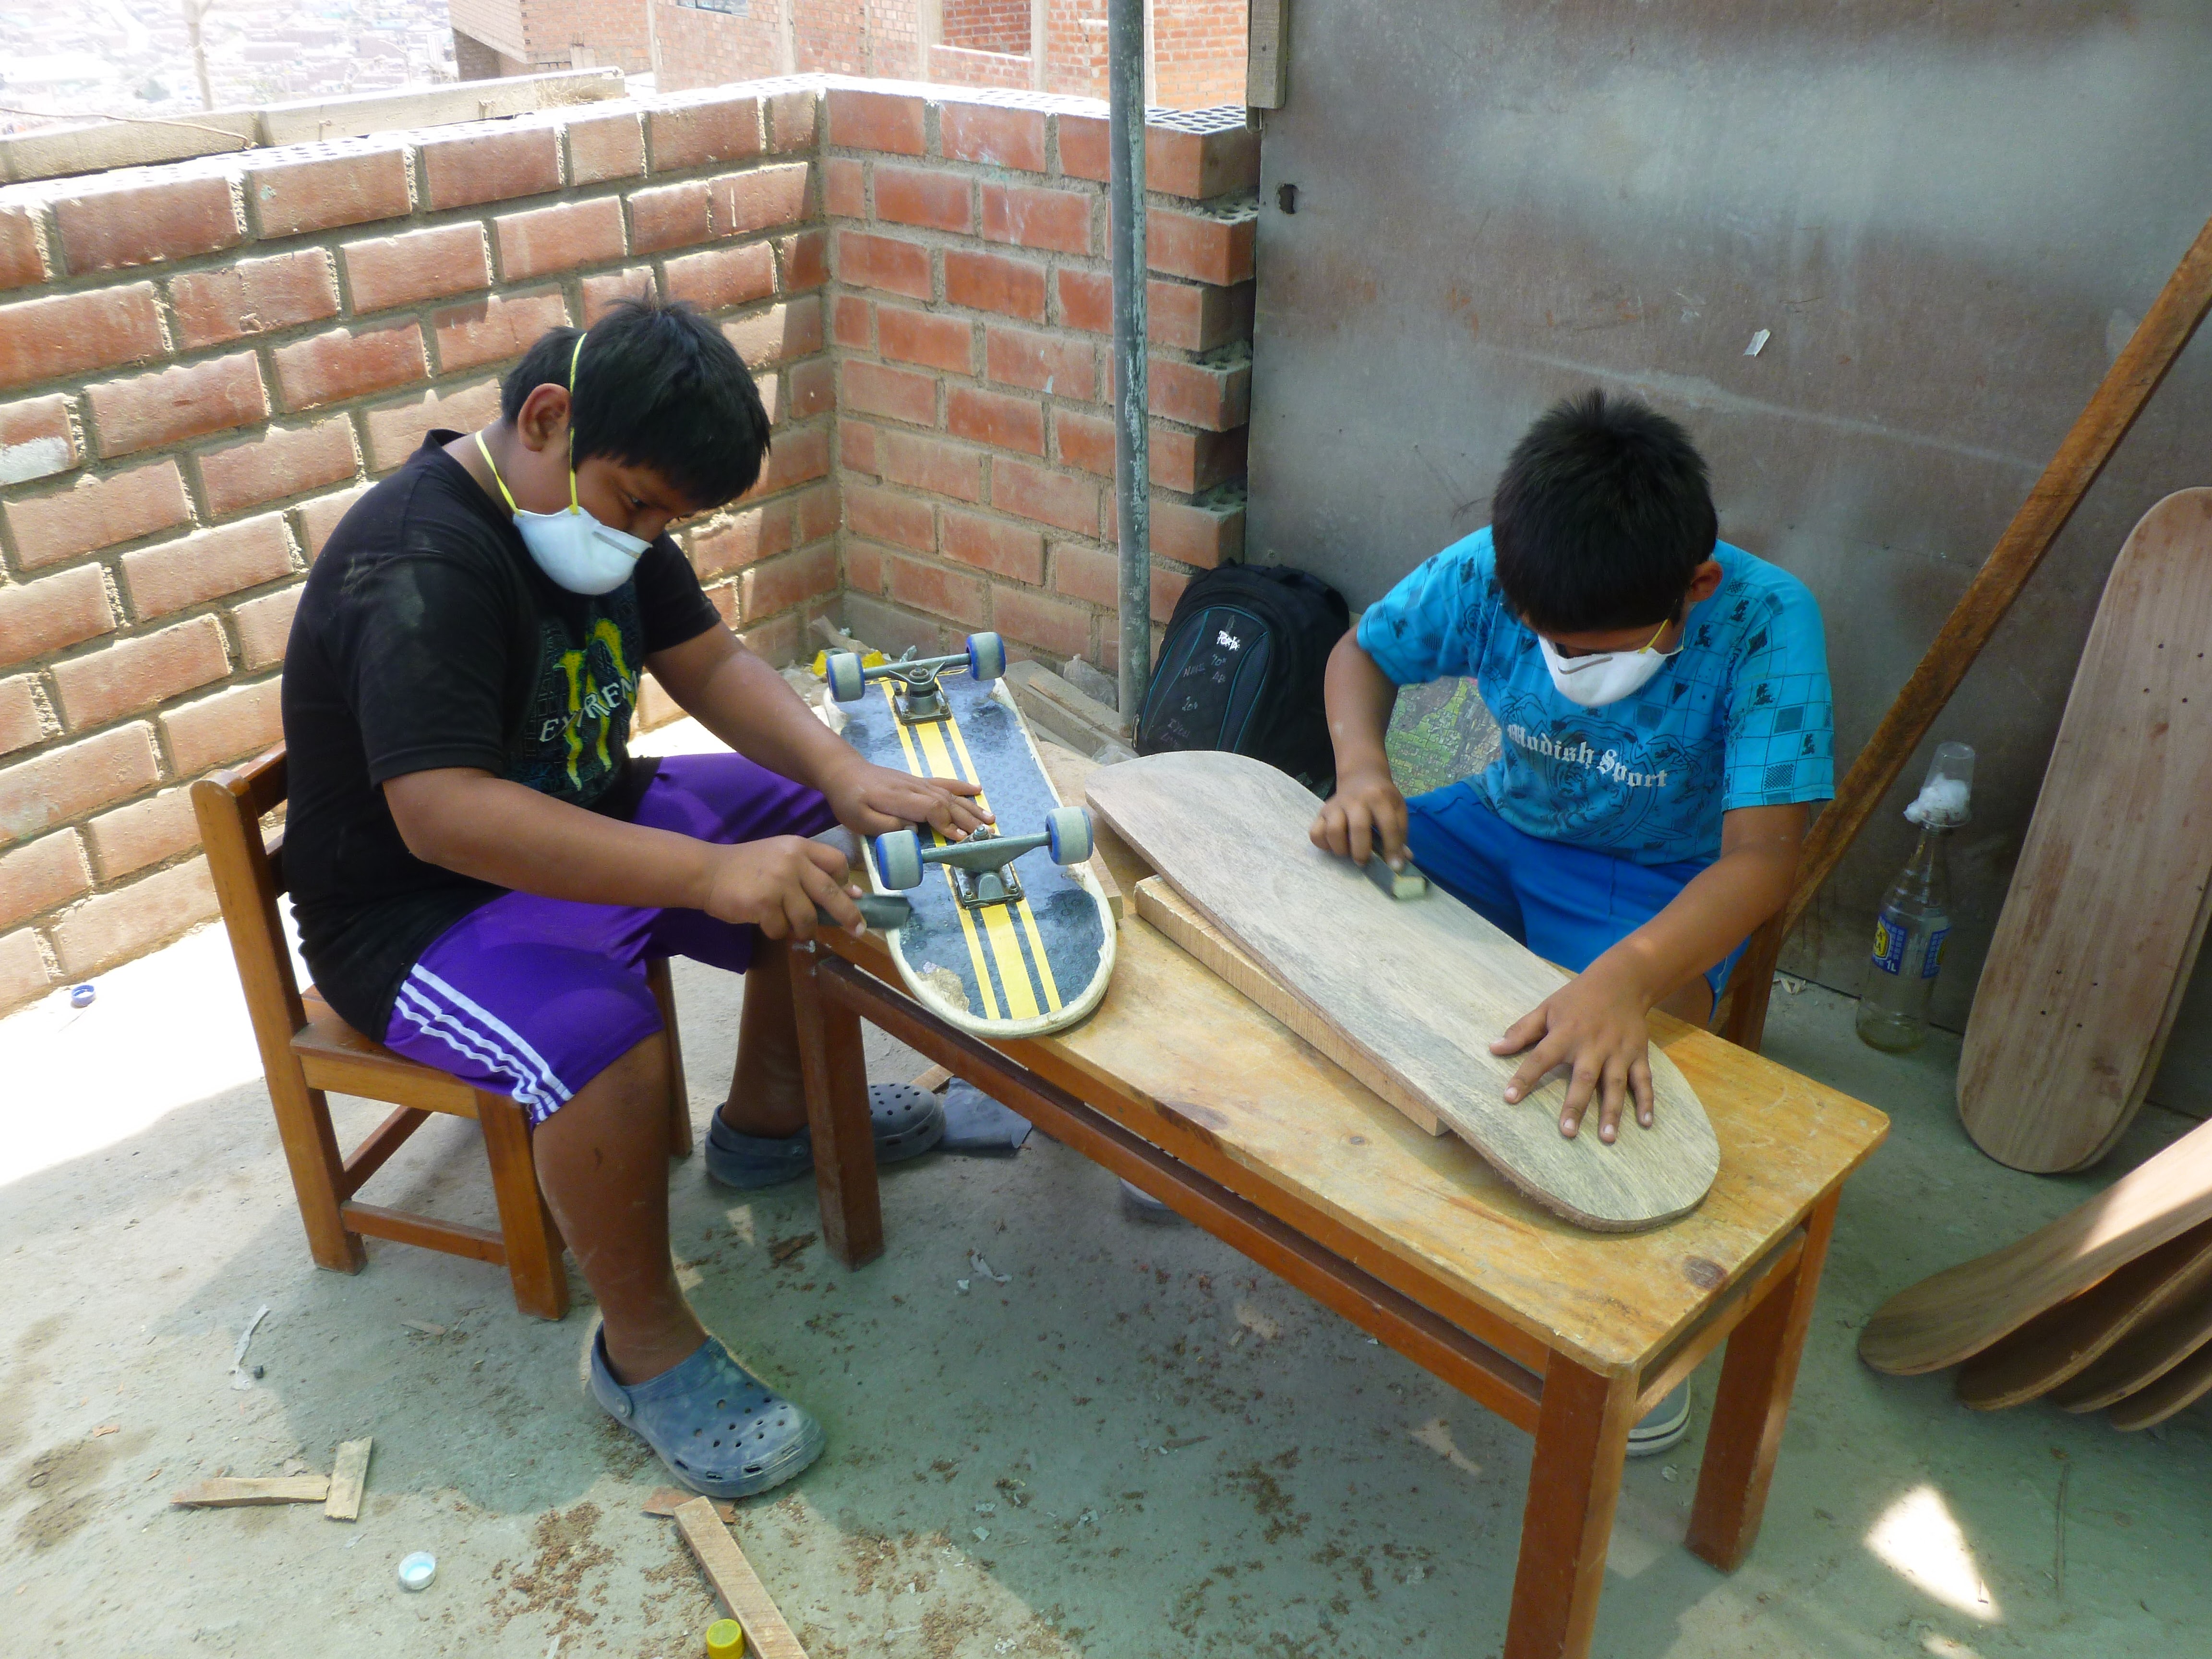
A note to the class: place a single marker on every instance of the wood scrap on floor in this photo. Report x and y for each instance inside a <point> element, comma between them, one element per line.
<point>934,1078</point>
<point>667,1500</point>
<point>734,1580</point>
<point>229,1492</point>
<point>1054,707</point>
<point>349,1479</point>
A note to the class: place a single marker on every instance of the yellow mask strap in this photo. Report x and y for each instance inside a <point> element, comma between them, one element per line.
<point>1653,640</point>
<point>575,357</point>
<point>495,478</point>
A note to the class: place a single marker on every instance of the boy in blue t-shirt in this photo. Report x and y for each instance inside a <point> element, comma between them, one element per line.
<point>1662,701</point>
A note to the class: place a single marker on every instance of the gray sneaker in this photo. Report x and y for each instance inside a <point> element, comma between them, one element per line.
<point>1137,1205</point>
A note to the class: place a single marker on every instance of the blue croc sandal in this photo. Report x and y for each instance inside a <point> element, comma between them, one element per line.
<point>907,1121</point>
<point>720,1428</point>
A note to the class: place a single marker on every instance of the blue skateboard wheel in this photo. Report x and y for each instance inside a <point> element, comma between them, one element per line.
<point>898,860</point>
<point>1067,834</point>
<point>847,681</point>
<point>986,656</point>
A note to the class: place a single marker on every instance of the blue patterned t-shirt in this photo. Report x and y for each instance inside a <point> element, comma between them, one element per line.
<point>1740,717</point>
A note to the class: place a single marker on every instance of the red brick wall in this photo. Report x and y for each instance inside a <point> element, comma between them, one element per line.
<point>202,365</point>
<point>986,25</point>
<point>1199,51</point>
<point>970,325</point>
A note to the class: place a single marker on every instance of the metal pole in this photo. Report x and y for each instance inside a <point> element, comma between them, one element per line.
<point>1133,487</point>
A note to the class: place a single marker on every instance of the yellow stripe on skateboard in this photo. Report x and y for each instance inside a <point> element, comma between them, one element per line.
<point>1005,950</point>
<point>914,764</point>
<point>1029,917</point>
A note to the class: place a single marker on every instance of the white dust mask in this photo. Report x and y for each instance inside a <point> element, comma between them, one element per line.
<point>1605,677</point>
<point>574,548</point>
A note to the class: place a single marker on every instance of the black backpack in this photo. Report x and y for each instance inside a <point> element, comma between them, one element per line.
<point>1240,666</point>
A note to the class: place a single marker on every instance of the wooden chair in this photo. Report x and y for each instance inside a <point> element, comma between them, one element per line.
<point>306,1049</point>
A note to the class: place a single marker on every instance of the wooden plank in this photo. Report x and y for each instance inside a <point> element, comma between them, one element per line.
<point>233,1493</point>
<point>2140,1359</point>
<point>2136,374</point>
<point>1423,988</point>
<point>1057,707</point>
<point>2107,910</point>
<point>1956,1314</point>
<point>767,1637</point>
<point>667,1500</point>
<point>348,1478</point>
<point>1267,68</point>
<point>1173,914</point>
<point>2068,1338</point>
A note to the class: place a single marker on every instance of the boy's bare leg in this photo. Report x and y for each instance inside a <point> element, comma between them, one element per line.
<point>603,1164</point>
<point>768,1091</point>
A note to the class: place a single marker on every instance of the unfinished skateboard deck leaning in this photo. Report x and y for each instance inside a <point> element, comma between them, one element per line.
<point>1421,988</point>
<point>2140,1360</point>
<point>1949,1318</point>
<point>2065,1340</point>
<point>2108,905</point>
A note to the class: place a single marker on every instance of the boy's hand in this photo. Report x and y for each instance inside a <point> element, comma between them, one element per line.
<point>872,800</point>
<point>776,884</point>
<point>1365,815</point>
<point>1595,1025</point>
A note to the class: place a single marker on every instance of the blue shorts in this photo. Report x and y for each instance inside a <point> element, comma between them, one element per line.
<point>1568,905</point>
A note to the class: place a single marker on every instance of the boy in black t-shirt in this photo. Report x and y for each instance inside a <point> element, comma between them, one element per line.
<point>480,871</point>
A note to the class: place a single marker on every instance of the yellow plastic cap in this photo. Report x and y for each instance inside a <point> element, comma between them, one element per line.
<point>725,1639</point>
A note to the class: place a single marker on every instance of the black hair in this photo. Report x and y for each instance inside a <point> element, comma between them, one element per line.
<point>658,386</point>
<point>1601,518</point>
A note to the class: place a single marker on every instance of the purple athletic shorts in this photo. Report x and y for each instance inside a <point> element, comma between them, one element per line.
<point>535,997</point>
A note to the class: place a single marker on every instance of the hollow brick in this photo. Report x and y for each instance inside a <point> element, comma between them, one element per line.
<point>844,188</point>
<point>766,198</point>
<point>698,133</point>
<point>253,296</point>
<point>54,612</point>
<point>778,584</point>
<point>673,216</point>
<point>397,430</point>
<point>792,120</point>
<point>925,197</point>
<point>778,334</point>
<point>37,440</point>
<point>347,362</point>
<point>1053,221</point>
<point>994,418</point>
<point>720,278</point>
<point>883,262</point>
<point>563,237</point>
<point>923,462</point>
<point>295,198</point>
<point>68,781</point>
<point>798,457</point>
<point>1049,363</point>
<point>926,337</point>
<point>241,720</point>
<point>21,722</point>
<point>107,228</point>
<point>954,594</point>
<point>890,121</point>
<point>995,136</point>
<point>494,328</point>
<point>150,832</point>
<point>605,147</point>
<point>188,401</point>
<point>130,675</point>
<point>317,517</point>
<point>1057,626</point>
<point>601,292</point>
<point>897,394</point>
<point>991,282</point>
<point>94,513</point>
<point>19,265</point>
<point>883,515</point>
<point>805,259</point>
<point>50,870</point>
<point>485,163</point>
<point>175,574</point>
<point>265,627</point>
<point>1053,498</point>
<point>1004,550</point>
<point>417,266</point>
<point>70,334</point>
<point>109,927</point>
<point>281,461</point>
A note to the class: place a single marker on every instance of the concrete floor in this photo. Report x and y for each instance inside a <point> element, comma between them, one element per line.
<point>1139,1446</point>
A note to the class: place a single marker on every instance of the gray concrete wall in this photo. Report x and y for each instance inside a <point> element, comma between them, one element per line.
<point>1948,218</point>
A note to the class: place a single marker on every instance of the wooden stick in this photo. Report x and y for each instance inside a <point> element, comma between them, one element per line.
<point>2136,374</point>
<point>667,1500</point>
<point>735,1583</point>
<point>349,1475</point>
<point>230,1494</point>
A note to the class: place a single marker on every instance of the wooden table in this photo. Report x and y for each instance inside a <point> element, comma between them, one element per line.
<point>1183,1087</point>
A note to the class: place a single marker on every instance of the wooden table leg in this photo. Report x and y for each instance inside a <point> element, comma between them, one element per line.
<point>1582,1446</point>
<point>1757,1377</point>
<point>837,1112</point>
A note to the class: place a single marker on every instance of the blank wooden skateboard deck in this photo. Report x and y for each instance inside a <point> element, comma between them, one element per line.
<point>1006,970</point>
<point>2108,905</point>
<point>2188,1382</point>
<point>2067,1340</point>
<point>1951,1317</point>
<point>1420,987</point>
<point>2140,1360</point>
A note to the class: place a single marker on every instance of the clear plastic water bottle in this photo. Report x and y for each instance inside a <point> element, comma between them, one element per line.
<point>1915,918</point>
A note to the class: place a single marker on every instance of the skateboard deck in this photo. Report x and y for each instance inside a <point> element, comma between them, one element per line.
<point>1419,987</point>
<point>2188,1382</point>
<point>2067,1340</point>
<point>1006,970</point>
<point>2108,905</point>
<point>2146,1356</point>
<point>1952,1316</point>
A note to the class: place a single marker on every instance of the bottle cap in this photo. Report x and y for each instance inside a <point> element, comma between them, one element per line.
<point>417,1571</point>
<point>725,1639</point>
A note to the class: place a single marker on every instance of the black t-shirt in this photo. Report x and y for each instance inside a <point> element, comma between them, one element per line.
<point>426,637</point>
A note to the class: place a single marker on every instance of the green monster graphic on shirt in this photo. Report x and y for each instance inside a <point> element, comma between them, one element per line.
<point>574,737</point>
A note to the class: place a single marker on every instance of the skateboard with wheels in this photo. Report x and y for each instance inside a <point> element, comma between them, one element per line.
<point>1006,934</point>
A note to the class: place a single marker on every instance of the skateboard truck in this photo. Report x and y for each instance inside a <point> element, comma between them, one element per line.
<point>920,698</point>
<point>982,865</point>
